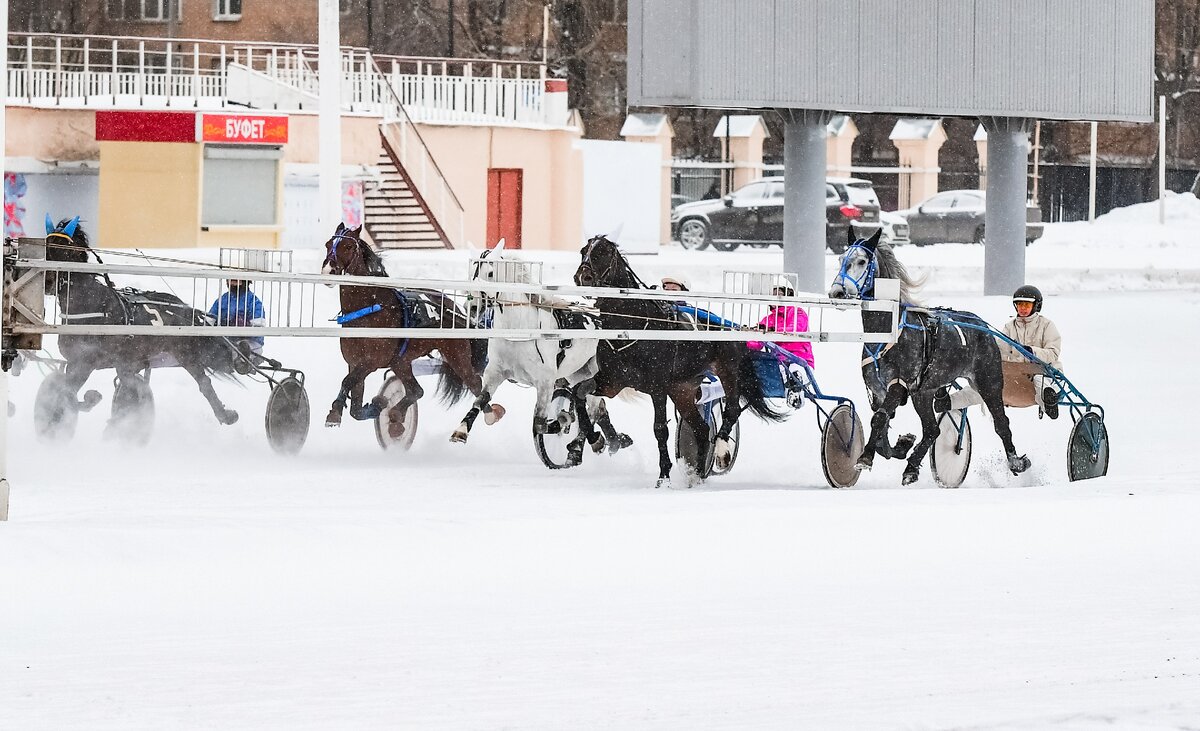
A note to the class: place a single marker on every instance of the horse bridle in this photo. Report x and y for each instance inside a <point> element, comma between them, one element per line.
<point>598,275</point>
<point>863,283</point>
<point>331,257</point>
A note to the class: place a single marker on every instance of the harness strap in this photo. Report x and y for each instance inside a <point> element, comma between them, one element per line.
<point>351,316</point>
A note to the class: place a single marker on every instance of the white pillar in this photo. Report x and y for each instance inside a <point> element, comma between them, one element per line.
<point>1162,159</point>
<point>804,136</point>
<point>1092,177</point>
<point>329,70</point>
<point>3,374</point>
<point>1008,173</point>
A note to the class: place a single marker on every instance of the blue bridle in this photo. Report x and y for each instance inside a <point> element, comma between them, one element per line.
<point>342,234</point>
<point>864,283</point>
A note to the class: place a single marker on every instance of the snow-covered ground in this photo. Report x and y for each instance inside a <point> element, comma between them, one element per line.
<point>207,583</point>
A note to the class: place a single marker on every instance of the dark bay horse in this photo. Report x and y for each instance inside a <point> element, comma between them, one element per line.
<point>92,299</point>
<point>362,306</point>
<point>929,354</point>
<point>665,369</point>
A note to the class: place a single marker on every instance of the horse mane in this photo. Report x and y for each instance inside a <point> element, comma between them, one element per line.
<point>625,263</point>
<point>889,267</point>
<point>372,259</point>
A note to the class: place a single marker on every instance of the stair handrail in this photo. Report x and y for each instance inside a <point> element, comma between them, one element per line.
<point>400,118</point>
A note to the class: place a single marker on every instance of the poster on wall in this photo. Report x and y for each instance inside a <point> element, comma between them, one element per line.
<point>15,188</point>
<point>352,203</point>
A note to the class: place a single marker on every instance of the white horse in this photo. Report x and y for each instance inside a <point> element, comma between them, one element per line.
<point>556,368</point>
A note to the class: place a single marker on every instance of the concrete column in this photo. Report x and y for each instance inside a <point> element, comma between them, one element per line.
<point>804,137</point>
<point>746,135</point>
<point>839,146</point>
<point>656,129</point>
<point>918,141</point>
<point>1008,161</point>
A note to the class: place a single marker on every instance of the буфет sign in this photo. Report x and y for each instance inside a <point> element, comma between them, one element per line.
<point>253,129</point>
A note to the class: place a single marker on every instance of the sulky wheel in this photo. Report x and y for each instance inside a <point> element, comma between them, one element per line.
<point>552,444</point>
<point>288,417</point>
<point>842,441</point>
<point>715,422</point>
<point>132,418</point>
<point>950,456</point>
<point>1087,449</point>
<point>395,437</point>
<point>55,413</point>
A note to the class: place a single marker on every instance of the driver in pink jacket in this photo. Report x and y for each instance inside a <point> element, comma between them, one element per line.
<point>786,319</point>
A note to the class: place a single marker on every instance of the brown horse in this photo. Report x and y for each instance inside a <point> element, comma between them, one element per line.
<point>365,306</point>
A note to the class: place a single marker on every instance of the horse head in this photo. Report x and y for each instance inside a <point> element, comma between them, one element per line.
<point>602,265</point>
<point>857,269</point>
<point>66,240</point>
<point>347,253</point>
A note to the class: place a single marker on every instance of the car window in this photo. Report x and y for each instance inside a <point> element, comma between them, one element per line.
<point>753,191</point>
<point>969,202</point>
<point>941,202</point>
<point>775,189</point>
<point>831,193</point>
<point>862,194</point>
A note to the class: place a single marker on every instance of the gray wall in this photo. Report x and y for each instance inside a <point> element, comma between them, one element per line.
<point>1046,59</point>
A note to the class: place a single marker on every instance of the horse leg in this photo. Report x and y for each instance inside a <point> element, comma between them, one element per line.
<point>689,413</point>
<point>358,412</point>
<point>492,378</point>
<point>412,393</point>
<point>993,398</point>
<point>77,374</point>
<point>661,433</point>
<point>722,452</point>
<point>356,375</point>
<point>224,415</point>
<point>877,441</point>
<point>923,403</point>
<point>615,440</point>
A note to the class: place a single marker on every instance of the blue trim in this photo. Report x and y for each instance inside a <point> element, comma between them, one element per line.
<point>351,316</point>
<point>864,284</point>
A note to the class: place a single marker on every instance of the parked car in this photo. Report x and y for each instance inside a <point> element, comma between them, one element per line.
<point>895,228</point>
<point>753,215</point>
<point>678,200</point>
<point>956,216</point>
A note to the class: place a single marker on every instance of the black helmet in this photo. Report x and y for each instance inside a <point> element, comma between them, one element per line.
<point>1029,293</point>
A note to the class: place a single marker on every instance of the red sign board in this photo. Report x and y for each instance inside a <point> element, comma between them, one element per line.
<point>252,129</point>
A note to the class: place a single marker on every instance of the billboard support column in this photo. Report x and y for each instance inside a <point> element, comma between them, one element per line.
<point>329,124</point>
<point>804,135</point>
<point>1005,216</point>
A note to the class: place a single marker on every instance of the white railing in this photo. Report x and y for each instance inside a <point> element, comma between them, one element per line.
<point>107,71</point>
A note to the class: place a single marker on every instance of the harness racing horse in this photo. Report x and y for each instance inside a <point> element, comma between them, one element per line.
<point>666,369</point>
<point>554,368</point>
<point>376,307</point>
<point>93,299</point>
<point>929,354</point>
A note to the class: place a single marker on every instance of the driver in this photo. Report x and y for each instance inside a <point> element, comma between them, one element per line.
<point>1039,335</point>
<point>239,307</point>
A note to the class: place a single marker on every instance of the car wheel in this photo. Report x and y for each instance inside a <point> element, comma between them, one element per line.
<point>725,245</point>
<point>979,236</point>
<point>693,234</point>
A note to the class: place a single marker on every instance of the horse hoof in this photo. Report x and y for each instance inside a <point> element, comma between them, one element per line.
<point>395,429</point>
<point>495,414</point>
<point>229,418</point>
<point>458,437</point>
<point>862,465</point>
<point>333,420</point>
<point>903,444</point>
<point>662,482</point>
<point>623,441</point>
<point>598,445</point>
<point>1018,464</point>
<point>574,457</point>
<point>90,399</point>
<point>910,476</point>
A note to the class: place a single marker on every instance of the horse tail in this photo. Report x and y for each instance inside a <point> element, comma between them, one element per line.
<point>750,390</point>
<point>451,387</point>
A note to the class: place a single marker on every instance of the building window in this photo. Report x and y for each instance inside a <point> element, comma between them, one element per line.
<point>150,11</point>
<point>240,185</point>
<point>227,9</point>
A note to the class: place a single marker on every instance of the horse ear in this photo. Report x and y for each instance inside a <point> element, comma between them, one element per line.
<point>69,229</point>
<point>873,242</point>
<point>356,232</point>
<point>616,232</point>
<point>49,225</point>
<point>340,229</point>
<point>500,244</point>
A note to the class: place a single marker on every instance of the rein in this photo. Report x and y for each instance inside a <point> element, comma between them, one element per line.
<point>864,283</point>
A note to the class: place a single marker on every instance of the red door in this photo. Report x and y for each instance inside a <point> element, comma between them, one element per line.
<point>504,207</point>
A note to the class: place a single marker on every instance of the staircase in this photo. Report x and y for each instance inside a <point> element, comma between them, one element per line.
<point>394,214</point>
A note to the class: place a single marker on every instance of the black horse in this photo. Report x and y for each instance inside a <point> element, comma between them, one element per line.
<point>928,355</point>
<point>92,299</point>
<point>665,369</point>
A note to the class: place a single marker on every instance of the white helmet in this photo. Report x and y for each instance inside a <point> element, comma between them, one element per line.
<point>680,282</point>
